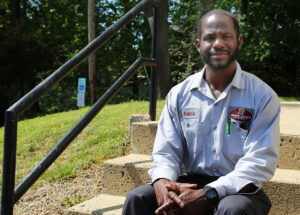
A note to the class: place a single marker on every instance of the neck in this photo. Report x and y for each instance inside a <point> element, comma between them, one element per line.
<point>220,79</point>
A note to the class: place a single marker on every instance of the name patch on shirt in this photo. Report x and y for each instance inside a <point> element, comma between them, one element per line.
<point>190,113</point>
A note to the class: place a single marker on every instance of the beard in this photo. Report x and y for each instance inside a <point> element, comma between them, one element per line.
<point>216,65</point>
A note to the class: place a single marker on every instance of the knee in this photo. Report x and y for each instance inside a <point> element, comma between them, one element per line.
<point>229,206</point>
<point>140,194</point>
<point>133,195</point>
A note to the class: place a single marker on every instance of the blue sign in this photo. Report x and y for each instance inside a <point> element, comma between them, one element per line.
<point>81,85</point>
<point>81,92</point>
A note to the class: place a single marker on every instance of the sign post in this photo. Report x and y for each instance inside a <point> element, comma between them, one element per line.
<point>81,92</point>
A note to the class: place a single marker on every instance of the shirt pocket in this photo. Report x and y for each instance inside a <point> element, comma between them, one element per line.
<point>234,147</point>
<point>195,133</point>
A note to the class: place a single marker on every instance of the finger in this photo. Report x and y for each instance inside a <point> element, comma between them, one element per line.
<point>173,187</point>
<point>165,207</point>
<point>172,195</point>
<point>179,187</point>
<point>188,185</point>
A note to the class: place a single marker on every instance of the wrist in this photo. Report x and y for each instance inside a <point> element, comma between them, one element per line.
<point>164,180</point>
<point>211,195</point>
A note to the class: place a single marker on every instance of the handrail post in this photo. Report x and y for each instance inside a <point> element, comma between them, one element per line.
<point>9,163</point>
<point>152,107</point>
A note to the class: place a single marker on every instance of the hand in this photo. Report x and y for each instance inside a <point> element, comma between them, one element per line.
<point>162,194</point>
<point>184,200</point>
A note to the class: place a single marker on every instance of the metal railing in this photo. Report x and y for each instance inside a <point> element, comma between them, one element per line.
<point>10,193</point>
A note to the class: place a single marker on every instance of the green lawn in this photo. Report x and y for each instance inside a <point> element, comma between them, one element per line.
<point>104,138</point>
<point>289,99</point>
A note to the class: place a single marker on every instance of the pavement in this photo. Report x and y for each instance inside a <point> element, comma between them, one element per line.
<point>290,118</point>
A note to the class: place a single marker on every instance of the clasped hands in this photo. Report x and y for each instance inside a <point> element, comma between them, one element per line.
<point>176,198</point>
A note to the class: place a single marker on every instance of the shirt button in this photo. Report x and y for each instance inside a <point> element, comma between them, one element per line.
<point>214,150</point>
<point>215,127</point>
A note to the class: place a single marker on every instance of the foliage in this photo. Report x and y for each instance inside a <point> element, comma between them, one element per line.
<point>47,33</point>
<point>104,138</point>
<point>74,200</point>
<point>44,34</point>
<point>270,30</point>
<point>184,57</point>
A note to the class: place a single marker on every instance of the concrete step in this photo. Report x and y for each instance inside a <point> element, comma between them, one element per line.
<point>289,156</point>
<point>124,173</point>
<point>100,205</point>
<point>143,135</point>
<point>284,192</point>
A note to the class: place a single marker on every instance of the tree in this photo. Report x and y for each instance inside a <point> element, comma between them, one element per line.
<point>92,65</point>
<point>270,30</point>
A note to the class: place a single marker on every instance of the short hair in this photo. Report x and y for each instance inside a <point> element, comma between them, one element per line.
<point>218,12</point>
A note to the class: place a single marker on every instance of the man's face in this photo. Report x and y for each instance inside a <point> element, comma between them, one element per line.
<point>218,44</point>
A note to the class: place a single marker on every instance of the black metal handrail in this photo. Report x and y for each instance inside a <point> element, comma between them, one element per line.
<point>10,194</point>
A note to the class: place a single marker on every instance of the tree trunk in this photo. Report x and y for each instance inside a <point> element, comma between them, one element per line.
<point>92,58</point>
<point>163,68</point>
<point>162,53</point>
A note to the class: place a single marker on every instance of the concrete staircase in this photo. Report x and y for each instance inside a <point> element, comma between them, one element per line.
<point>124,173</point>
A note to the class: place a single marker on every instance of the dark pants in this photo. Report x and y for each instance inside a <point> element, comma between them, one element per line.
<point>142,201</point>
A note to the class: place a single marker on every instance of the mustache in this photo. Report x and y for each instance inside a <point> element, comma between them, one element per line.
<point>218,50</point>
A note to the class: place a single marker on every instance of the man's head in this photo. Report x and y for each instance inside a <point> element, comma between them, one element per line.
<point>218,39</point>
<point>218,12</point>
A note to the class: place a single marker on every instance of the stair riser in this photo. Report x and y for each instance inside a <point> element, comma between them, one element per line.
<point>289,157</point>
<point>143,135</point>
<point>284,198</point>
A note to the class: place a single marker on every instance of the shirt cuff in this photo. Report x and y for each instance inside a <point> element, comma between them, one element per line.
<point>157,174</point>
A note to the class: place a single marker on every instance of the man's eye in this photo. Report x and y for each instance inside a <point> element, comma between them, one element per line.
<point>209,38</point>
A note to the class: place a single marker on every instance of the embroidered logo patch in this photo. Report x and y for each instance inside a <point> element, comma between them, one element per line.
<point>240,115</point>
<point>190,113</point>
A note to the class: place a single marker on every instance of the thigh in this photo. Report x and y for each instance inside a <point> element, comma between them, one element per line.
<point>140,200</point>
<point>250,204</point>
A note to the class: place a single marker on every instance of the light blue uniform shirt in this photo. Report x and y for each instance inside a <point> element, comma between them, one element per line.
<point>193,131</point>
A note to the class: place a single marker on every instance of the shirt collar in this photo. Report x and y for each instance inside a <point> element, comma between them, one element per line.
<point>237,81</point>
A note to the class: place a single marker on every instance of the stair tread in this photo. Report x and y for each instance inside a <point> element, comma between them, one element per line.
<point>289,176</point>
<point>103,204</point>
<point>140,160</point>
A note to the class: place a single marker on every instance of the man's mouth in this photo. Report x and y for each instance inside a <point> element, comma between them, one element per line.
<point>219,54</point>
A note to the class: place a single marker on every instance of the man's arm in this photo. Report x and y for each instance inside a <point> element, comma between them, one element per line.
<point>168,148</point>
<point>261,152</point>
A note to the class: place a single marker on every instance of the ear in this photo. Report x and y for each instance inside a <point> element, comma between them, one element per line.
<point>240,42</point>
<point>197,42</point>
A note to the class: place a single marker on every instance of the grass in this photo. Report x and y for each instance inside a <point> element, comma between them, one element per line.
<point>289,99</point>
<point>104,138</point>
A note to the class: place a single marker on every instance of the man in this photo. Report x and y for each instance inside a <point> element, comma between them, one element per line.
<point>217,138</point>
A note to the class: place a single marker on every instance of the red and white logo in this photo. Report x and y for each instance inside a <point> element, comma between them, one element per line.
<point>240,115</point>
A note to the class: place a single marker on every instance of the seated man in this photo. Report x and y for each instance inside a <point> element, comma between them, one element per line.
<point>217,138</point>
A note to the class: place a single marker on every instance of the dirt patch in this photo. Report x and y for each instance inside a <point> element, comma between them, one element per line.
<point>55,198</point>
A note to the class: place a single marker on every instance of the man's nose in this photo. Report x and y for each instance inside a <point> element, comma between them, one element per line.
<point>218,43</point>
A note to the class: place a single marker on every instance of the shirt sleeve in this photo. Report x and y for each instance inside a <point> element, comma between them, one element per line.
<point>261,150</point>
<point>168,146</point>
